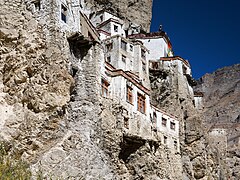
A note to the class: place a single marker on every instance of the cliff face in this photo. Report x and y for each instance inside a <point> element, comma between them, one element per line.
<point>199,160</point>
<point>53,116</point>
<point>136,11</point>
<point>221,95</point>
<point>221,102</point>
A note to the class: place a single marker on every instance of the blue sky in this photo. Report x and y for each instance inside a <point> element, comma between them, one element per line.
<point>206,32</point>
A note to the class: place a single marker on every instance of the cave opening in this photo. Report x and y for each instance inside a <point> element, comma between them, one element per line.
<point>79,45</point>
<point>129,145</point>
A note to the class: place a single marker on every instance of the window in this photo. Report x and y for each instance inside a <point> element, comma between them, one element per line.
<point>143,54</point>
<point>105,85</point>
<point>115,28</point>
<point>154,117</point>
<point>131,47</point>
<point>101,18</point>
<point>165,139</point>
<point>141,103</point>
<point>129,95</point>
<point>109,59</point>
<point>37,5</point>
<point>64,13</point>
<point>144,66</point>
<point>172,125</point>
<point>175,144</point>
<point>164,122</point>
<point>123,58</point>
<point>126,123</point>
<point>109,46</point>
<point>123,45</point>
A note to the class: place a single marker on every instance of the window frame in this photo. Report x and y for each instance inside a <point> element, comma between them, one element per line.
<point>124,58</point>
<point>129,94</point>
<point>172,125</point>
<point>115,28</point>
<point>141,103</point>
<point>64,13</point>
<point>164,122</point>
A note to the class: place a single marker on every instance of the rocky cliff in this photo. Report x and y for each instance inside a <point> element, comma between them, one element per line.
<point>221,95</point>
<point>221,102</point>
<point>54,118</point>
<point>136,11</point>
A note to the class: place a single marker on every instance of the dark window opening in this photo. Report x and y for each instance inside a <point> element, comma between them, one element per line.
<point>123,58</point>
<point>172,125</point>
<point>115,28</point>
<point>109,46</point>
<point>74,71</point>
<point>143,54</point>
<point>164,122</point>
<point>144,66</point>
<point>109,59</point>
<point>165,139</point>
<point>131,48</point>
<point>175,145</point>
<point>101,18</point>
<point>64,13</point>
<point>154,117</point>
<point>126,123</point>
<point>37,5</point>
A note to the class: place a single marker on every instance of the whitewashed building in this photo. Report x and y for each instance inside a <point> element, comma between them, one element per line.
<point>158,44</point>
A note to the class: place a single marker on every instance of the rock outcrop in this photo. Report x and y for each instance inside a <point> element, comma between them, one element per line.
<point>221,103</point>
<point>53,116</point>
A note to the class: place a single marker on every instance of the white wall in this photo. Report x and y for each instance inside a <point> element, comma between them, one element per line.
<point>157,48</point>
<point>73,16</point>
<point>198,102</point>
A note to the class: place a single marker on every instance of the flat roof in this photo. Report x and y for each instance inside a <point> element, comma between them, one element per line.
<point>152,35</point>
<point>119,72</point>
<point>175,58</point>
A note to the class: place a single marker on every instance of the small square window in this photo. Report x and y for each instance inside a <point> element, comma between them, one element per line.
<point>109,59</point>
